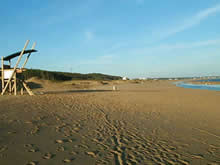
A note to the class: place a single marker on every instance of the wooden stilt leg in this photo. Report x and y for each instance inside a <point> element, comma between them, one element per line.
<point>33,46</point>
<point>28,89</point>
<point>22,90</point>
<point>10,88</point>
<point>15,85</point>
<point>3,82</point>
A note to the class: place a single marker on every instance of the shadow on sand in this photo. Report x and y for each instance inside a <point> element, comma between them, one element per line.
<point>74,91</point>
<point>34,85</point>
<point>90,90</point>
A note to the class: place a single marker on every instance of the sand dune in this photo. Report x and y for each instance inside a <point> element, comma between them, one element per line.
<point>142,123</point>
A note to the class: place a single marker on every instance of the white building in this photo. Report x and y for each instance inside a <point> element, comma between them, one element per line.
<point>125,78</point>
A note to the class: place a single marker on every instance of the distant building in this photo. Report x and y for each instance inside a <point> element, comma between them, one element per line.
<point>125,78</point>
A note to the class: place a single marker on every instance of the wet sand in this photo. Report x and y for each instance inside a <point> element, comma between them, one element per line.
<point>206,82</point>
<point>142,123</point>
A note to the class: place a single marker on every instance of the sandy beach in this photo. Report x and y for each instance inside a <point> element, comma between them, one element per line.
<point>142,123</point>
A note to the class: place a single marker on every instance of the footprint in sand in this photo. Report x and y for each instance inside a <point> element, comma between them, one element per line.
<point>33,150</point>
<point>3,148</point>
<point>92,154</point>
<point>48,156</point>
<point>73,153</point>
<point>32,163</point>
<point>59,141</point>
<point>199,156</point>
<point>183,162</point>
<point>35,130</point>
<point>12,132</point>
<point>76,129</point>
<point>60,149</point>
<point>28,145</point>
<point>28,122</point>
<point>68,160</point>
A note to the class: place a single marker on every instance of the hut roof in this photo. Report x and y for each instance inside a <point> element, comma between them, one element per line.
<point>9,57</point>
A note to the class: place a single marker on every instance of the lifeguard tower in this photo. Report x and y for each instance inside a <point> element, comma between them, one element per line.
<point>12,76</point>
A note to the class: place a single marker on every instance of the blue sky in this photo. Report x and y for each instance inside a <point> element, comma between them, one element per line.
<point>134,38</point>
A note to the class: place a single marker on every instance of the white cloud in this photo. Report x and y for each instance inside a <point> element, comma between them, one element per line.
<point>165,48</point>
<point>118,54</point>
<point>190,22</point>
<point>190,45</point>
<point>187,23</point>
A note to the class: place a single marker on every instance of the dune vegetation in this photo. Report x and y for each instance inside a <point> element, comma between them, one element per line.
<point>65,76</point>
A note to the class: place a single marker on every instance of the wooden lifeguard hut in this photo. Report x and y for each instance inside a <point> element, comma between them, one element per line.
<point>11,80</point>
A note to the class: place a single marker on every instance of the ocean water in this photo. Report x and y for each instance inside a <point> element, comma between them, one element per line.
<point>198,86</point>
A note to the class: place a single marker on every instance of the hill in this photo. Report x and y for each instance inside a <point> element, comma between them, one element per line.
<point>65,76</point>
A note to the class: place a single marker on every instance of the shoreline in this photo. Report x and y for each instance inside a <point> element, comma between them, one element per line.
<point>206,82</point>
